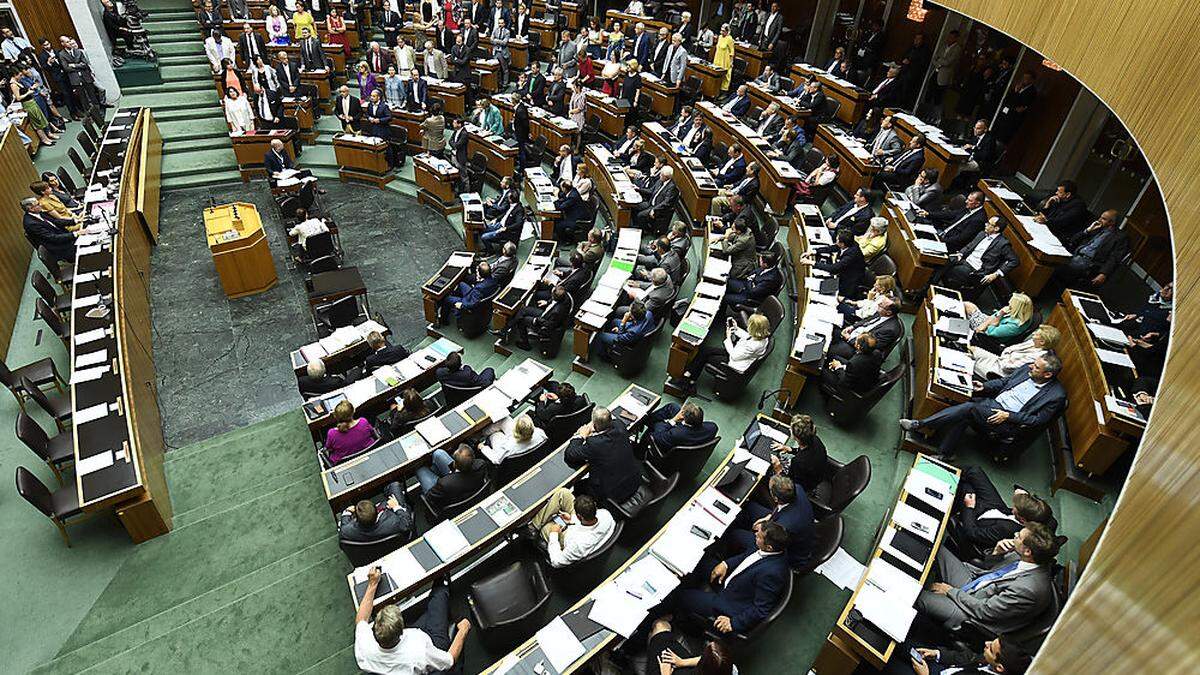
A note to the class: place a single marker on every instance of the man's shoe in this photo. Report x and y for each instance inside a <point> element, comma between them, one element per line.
<point>909,425</point>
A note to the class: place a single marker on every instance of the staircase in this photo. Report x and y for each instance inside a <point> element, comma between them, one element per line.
<point>196,147</point>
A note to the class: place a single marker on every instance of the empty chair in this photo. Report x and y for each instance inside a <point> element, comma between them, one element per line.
<point>512,596</point>
<point>84,168</point>
<point>63,275</point>
<point>90,127</point>
<point>562,427</point>
<point>476,170</point>
<point>591,130</point>
<point>40,373</point>
<point>455,394</point>
<point>64,177</point>
<point>58,408</point>
<point>59,506</point>
<point>439,513</point>
<point>846,407</point>
<point>827,539</point>
<point>655,488</point>
<point>842,484</point>
<point>97,114</point>
<point>536,153</point>
<point>61,302</point>
<point>86,144</point>
<point>55,452</point>
<point>690,91</point>
<point>53,321</point>
<point>324,263</point>
<point>337,314</point>
<point>770,308</point>
<point>366,552</point>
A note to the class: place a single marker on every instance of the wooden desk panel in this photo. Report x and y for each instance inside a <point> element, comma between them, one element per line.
<point>854,99</point>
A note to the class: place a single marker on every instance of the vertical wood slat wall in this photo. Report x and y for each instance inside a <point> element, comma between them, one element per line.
<point>1135,609</point>
<point>16,173</point>
<point>45,19</point>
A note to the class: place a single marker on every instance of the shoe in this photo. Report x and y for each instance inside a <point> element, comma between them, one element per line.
<point>909,425</point>
<point>321,191</point>
<point>497,331</point>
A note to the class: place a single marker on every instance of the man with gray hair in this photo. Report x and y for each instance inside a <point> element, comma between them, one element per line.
<point>43,229</point>
<point>657,294</point>
<point>603,446</point>
<point>386,646</point>
<point>660,200</point>
<point>317,381</point>
<point>1005,408</point>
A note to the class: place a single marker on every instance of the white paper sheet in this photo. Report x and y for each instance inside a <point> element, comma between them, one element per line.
<point>402,566</point>
<point>616,610</point>
<point>91,359</point>
<point>446,540</point>
<point>917,522</point>
<point>559,644</point>
<point>1114,358</point>
<point>90,336</point>
<point>500,509</point>
<point>754,463</point>
<point>94,463</point>
<point>842,569</point>
<point>90,414</point>
<point>918,481</point>
<point>89,374</point>
<point>1108,333</point>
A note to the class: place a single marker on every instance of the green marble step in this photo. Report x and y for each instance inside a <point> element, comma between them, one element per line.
<point>199,161</point>
<point>183,25</point>
<point>192,72</point>
<point>183,59</point>
<point>174,146</point>
<point>193,46</point>
<point>173,100</point>
<point>200,178</point>
<point>189,128</point>
<point>176,85</point>
<point>204,113</point>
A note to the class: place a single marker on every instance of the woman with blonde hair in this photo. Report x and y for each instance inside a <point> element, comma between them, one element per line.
<point>1007,322</point>
<point>508,437</point>
<point>277,28</point>
<point>884,288</point>
<point>874,240</point>
<point>349,436</point>
<point>723,56</point>
<point>740,350</point>
<point>1044,340</point>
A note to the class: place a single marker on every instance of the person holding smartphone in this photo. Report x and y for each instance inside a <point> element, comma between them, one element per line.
<point>997,657</point>
<point>740,349</point>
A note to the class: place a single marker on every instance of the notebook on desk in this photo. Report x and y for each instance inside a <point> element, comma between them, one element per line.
<point>455,423</point>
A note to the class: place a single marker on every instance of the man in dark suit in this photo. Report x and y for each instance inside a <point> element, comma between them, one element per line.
<point>772,28</point>
<point>391,23</point>
<point>673,426</point>
<point>789,508</point>
<point>1096,252</point>
<point>885,326</point>
<point>457,374</point>
<point>251,45</point>
<point>558,399</point>
<point>290,84</point>
<point>901,170</point>
<point>1064,212</point>
<point>210,18</point>
<point>809,96</point>
<point>458,143</point>
<point>416,91</point>
<point>312,56</point>
<point>763,283</point>
<point>276,161</point>
<point>537,85</point>
<point>505,228</point>
<point>982,518</point>
<point>999,656</point>
<point>367,521</point>
<point>983,260</point>
<point>1028,399</point>
<point>451,479</point>
<point>738,103</point>
<point>984,150</point>
<point>662,200</point>
<point>886,93</point>
<point>469,295</point>
<point>382,354</point>
<point>377,117</point>
<point>43,229</point>
<point>347,108</point>
<point>843,260</point>
<point>639,160</point>
<point>470,36</point>
<point>746,587</point>
<point>546,317</point>
<point>377,58</point>
<point>573,209</point>
<point>854,216</point>
<point>460,58</point>
<point>603,446</point>
<point>734,167</point>
<point>958,226</point>
<point>316,380</point>
<point>643,45</point>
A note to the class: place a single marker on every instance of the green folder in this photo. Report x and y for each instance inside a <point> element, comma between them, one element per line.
<point>693,329</point>
<point>622,265</point>
<point>938,472</point>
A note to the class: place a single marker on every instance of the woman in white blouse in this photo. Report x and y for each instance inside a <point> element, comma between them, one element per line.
<point>578,104</point>
<point>582,182</point>
<point>740,350</point>
<point>885,287</point>
<point>507,438</point>
<point>238,112</point>
<point>988,365</point>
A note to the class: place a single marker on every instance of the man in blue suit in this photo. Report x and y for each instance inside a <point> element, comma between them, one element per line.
<point>673,426</point>
<point>456,374</point>
<point>855,215</point>
<point>738,103</point>
<point>643,44</point>
<point>416,91</point>
<point>765,282</point>
<point>732,171</point>
<point>506,226</point>
<point>467,296</point>
<point>1027,399</point>
<point>746,587</point>
<point>791,510</point>
<point>627,330</point>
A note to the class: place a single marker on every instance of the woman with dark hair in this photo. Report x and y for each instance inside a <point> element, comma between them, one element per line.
<point>666,654</point>
<point>57,189</point>
<point>231,78</point>
<point>803,457</point>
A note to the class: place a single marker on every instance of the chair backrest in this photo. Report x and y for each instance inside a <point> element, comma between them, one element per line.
<point>630,359</point>
<point>883,265</point>
<point>86,143</point>
<point>8,379</point>
<point>687,460</point>
<point>812,159</point>
<point>65,178</point>
<point>97,114</point>
<point>478,163</point>
<point>50,317</point>
<point>455,394</point>
<point>323,263</point>
<point>320,246</point>
<point>80,165</point>
<point>848,482</point>
<point>35,492</point>
<point>509,595</point>
<point>364,552</point>
<point>49,262</point>
<point>785,596</point>
<point>832,106</point>
<point>454,508</point>
<point>773,309</point>
<point>729,384</point>
<point>42,285</point>
<point>32,435</point>
<point>604,548</point>
<point>827,539</point>
<point>342,312</point>
<point>34,392</point>
<point>564,426</point>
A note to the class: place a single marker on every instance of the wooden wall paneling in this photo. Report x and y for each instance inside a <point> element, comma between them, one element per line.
<point>1135,610</point>
<point>1150,235</point>
<point>45,19</point>
<point>16,173</point>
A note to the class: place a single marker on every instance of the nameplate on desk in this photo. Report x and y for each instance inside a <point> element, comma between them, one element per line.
<point>93,413</point>
<point>88,374</point>
<point>92,359</point>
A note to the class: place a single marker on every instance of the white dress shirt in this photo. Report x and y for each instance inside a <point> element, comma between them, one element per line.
<point>975,260</point>
<point>415,654</point>
<point>308,228</point>
<point>579,540</point>
<point>747,562</point>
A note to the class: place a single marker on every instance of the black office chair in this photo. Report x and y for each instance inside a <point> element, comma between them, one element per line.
<point>53,321</point>
<point>337,314</point>
<point>325,263</point>
<point>718,156</point>
<point>63,275</point>
<point>316,248</point>
<point>291,201</point>
<point>90,128</point>
<point>842,483</point>
<point>97,114</point>
<point>728,384</point>
<point>812,159</point>
<point>86,144</point>
<point>476,171</point>
<point>56,452</point>
<point>61,302</point>
<point>327,463</point>
<point>84,168</point>
<point>654,489</point>
<point>60,506</point>
<point>58,408</point>
<point>686,460</point>
<point>740,638</point>
<point>442,512</point>
<point>832,107</point>
<point>846,407</point>
<point>1028,638</point>
<point>366,552</point>
<point>536,153</point>
<point>740,66</point>
<point>771,308</point>
<point>474,322</point>
<point>690,91</point>
<point>549,343</point>
<point>67,183</point>
<point>41,373</point>
<point>562,427</point>
<point>519,463</point>
<point>455,395</point>
<point>591,130</point>
<point>512,597</point>
<point>827,539</point>
<point>629,359</point>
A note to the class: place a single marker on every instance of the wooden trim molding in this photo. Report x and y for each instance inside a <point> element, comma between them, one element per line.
<point>1131,611</point>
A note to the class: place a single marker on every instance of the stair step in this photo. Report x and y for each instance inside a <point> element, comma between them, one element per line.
<point>174,146</point>
<point>200,179</point>
<point>165,86</point>
<point>174,100</point>
<point>183,59</point>
<point>164,26</point>
<point>192,127</point>
<point>191,71</point>
<point>193,114</point>
<point>191,47</point>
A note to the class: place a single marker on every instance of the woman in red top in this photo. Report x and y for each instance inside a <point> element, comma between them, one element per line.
<point>587,69</point>
<point>336,26</point>
<point>452,13</point>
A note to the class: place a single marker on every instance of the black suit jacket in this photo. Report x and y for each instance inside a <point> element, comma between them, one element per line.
<point>1113,247</point>
<point>956,231</point>
<point>355,107</point>
<point>292,68</point>
<point>887,334</point>
<point>387,523</point>
<point>274,163</point>
<point>983,533</point>
<point>856,223</point>
<point>244,44</point>
<point>385,357</point>
<point>860,373</point>
<point>465,377</point>
<point>457,485</point>
<point>613,471</point>
<point>1066,219</point>
<point>986,151</point>
<point>848,266</point>
<point>310,387</point>
<point>554,316</point>
<point>999,256</point>
<point>42,229</point>
<point>458,141</point>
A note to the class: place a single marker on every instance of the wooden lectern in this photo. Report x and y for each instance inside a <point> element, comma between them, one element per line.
<point>362,158</point>
<point>239,249</point>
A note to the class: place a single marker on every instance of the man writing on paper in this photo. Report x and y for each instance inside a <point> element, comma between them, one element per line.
<point>386,647</point>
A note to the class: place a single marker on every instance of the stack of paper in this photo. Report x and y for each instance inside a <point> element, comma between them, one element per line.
<point>559,644</point>
<point>679,548</point>
<point>930,490</point>
<point>616,610</point>
<point>446,540</point>
<point>886,599</point>
<point>842,569</point>
<point>434,431</point>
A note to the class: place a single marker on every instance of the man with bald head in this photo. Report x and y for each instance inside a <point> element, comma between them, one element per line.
<point>1095,252</point>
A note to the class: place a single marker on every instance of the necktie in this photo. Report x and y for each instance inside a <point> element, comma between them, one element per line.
<point>989,577</point>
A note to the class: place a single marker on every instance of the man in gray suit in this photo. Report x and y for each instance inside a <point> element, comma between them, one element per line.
<point>79,73</point>
<point>886,143</point>
<point>657,295</point>
<point>925,192</point>
<point>500,52</point>
<point>1006,598</point>
<point>567,53</point>
<point>676,63</point>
